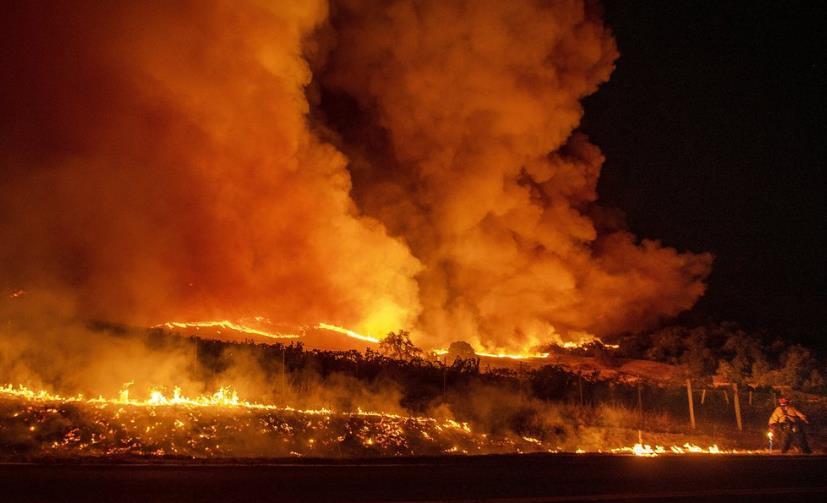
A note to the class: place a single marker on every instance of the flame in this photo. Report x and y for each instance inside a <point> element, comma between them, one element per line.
<point>241,326</point>
<point>647,450</point>
<point>514,356</point>
<point>349,333</point>
<point>226,324</point>
<point>517,356</point>
<point>224,397</point>
<point>152,426</point>
<point>218,424</point>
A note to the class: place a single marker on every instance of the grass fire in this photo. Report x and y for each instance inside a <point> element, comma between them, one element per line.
<point>452,235</point>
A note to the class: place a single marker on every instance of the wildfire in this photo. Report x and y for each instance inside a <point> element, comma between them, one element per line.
<point>217,424</point>
<point>223,424</point>
<point>244,327</point>
<point>349,333</point>
<point>228,325</point>
<point>526,356</point>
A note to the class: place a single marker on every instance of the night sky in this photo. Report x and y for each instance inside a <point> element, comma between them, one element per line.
<point>713,130</point>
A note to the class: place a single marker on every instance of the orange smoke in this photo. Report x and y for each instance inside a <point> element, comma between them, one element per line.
<point>473,105</point>
<point>159,163</point>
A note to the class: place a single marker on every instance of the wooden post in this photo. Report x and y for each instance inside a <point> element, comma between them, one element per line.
<point>691,404</point>
<point>444,374</point>
<point>726,397</point>
<point>737,403</point>
<point>283,371</point>
<point>703,395</point>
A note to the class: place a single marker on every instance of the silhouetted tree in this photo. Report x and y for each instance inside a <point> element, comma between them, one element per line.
<point>398,345</point>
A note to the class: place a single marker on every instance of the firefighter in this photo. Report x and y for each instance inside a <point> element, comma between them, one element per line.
<point>788,422</point>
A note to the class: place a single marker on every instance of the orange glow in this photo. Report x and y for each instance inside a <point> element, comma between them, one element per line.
<point>182,410</point>
<point>224,397</point>
<point>492,245</point>
<point>349,333</point>
<point>529,355</point>
<point>226,324</point>
<point>647,450</point>
<point>526,356</point>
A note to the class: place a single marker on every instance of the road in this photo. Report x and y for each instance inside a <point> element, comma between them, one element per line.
<point>551,478</point>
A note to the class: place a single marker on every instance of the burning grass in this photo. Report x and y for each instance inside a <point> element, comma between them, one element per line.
<point>37,425</point>
<point>419,406</point>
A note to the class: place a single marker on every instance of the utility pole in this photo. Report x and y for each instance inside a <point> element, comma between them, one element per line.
<point>737,406</point>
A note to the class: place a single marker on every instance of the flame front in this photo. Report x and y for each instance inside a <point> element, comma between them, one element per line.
<point>216,424</point>
<point>226,324</point>
<point>221,424</point>
<point>349,333</point>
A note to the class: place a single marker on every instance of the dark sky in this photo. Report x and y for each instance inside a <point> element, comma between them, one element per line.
<point>713,129</point>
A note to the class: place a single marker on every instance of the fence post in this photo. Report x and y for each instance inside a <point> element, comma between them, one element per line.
<point>283,372</point>
<point>737,403</point>
<point>691,404</point>
<point>444,374</point>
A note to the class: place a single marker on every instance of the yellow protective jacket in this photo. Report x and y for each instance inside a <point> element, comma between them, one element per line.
<point>788,414</point>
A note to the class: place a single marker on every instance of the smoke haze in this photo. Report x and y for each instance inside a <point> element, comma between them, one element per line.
<point>467,149</point>
<point>157,165</point>
<point>161,161</point>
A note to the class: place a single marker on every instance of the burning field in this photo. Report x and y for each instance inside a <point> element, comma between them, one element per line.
<point>314,162</point>
<point>40,425</point>
<point>189,187</point>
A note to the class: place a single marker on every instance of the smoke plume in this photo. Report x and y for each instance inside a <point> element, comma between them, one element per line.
<point>465,147</point>
<point>161,161</point>
<point>157,165</point>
